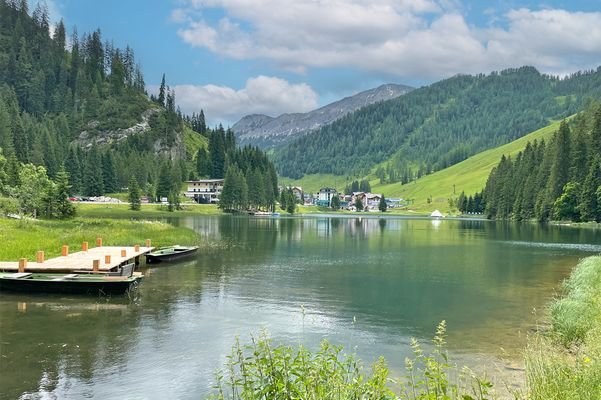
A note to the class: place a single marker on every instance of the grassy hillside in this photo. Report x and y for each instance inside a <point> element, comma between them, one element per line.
<point>469,176</point>
<point>312,183</point>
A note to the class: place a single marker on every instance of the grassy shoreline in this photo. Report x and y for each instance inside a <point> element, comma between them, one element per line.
<point>563,362</point>
<point>22,238</point>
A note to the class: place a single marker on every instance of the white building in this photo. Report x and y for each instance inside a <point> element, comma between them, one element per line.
<point>205,191</point>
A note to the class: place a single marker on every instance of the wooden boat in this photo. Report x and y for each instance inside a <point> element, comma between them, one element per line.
<point>170,253</point>
<point>92,284</point>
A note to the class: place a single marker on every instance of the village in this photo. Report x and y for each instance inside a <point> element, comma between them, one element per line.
<point>208,191</point>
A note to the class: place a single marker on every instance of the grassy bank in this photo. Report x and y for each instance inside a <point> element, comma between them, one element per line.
<point>110,210</point>
<point>22,238</point>
<point>565,363</point>
<point>562,362</point>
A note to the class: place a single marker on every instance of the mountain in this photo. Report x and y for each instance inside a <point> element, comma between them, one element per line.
<point>79,104</point>
<point>266,132</point>
<point>436,126</point>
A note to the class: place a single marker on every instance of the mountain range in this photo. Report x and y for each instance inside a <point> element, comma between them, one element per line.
<point>266,132</point>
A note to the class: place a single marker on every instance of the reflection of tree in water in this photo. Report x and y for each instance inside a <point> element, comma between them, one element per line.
<point>249,233</point>
<point>49,340</point>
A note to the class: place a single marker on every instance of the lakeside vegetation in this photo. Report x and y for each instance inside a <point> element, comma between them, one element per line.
<point>563,362</point>
<point>116,210</point>
<point>22,238</point>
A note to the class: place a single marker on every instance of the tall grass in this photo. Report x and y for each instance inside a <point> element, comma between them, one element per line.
<point>565,363</point>
<point>22,238</point>
<point>262,371</point>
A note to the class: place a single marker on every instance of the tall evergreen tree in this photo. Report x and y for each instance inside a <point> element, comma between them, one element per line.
<point>93,182</point>
<point>133,189</point>
<point>161,98</point>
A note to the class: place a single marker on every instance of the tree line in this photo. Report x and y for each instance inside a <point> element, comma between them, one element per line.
<point>60,101</point>
<point>559,180</point>
<point>437,126</point>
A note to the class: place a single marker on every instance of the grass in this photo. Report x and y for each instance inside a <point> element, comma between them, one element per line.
<point>264,371</point>
<point>312,183</point>
<point>22,238</point>
<point>111,210</point>
<point>565,363</point>
<point>469,176</point>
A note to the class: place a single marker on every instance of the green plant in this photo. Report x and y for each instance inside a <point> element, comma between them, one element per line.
<point>264,371</point>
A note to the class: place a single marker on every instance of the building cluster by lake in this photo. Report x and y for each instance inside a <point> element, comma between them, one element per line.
<point>208,191</point>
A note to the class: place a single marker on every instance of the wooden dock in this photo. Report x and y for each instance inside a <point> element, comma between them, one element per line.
<point>100,259</point>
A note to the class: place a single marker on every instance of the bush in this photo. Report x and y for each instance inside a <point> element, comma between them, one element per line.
<point>264,371</point>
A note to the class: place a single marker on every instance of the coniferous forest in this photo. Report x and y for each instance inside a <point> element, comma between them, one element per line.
<point>558,180</point>
<point>436,126</point>
<point>74,114</point>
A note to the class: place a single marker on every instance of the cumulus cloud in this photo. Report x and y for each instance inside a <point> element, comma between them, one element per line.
<point>260,95</point>
<point>407,38</point>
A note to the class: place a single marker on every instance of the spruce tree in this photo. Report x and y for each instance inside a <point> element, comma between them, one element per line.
<point>64,207</point>
<point>382,206</point>
<point>560,170</point>
<point>335,203</point>
<point>589,207</point>
<point>161,98</point>
<point>93,181</point>
<point>133,190</point>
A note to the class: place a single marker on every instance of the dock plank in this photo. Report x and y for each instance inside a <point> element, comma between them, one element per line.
<point>82,260</point>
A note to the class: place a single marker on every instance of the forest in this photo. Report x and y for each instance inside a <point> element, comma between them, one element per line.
<point>436,126</point>
<point>74,112</point>
<point>558,180</point>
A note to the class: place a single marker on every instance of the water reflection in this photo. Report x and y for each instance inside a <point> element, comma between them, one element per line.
<point>397,277</point>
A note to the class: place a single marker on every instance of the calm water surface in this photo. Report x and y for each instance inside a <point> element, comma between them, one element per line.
<point>396,278</point>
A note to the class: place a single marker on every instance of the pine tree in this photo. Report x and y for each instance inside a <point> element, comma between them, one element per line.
<point>383,206</point>
<point>93,182</point>
<point>64,207</point>
<point>161,98</point>
<point>335,203</point>
<point>358,204</point>
<point>165,183</point>
<point>589,207</point>
<point>560,169</point>
<point>109,173</point>
<point>133,189</point>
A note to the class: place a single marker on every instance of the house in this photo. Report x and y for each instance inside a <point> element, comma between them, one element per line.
<point>325,195</point>
<point>297,191</point>
<point>205,191</point>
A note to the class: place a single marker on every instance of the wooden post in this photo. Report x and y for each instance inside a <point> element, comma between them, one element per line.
<point>107,259</point>
<point>148,242</point>
<point>95,265</point>
<point>22,264</point>
<point>99,242</point>
<point>84,246</point>
<point>39,257</point>
<point>137,248</point>
<point>123,253</point>
<point>65,251</point>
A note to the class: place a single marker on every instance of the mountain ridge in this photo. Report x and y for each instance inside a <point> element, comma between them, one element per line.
<point>267,132</point>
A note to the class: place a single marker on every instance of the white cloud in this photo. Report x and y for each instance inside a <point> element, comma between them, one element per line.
<point>407,38</point>
<point>261,95</point>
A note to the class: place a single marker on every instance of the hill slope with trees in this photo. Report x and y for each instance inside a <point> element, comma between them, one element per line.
<point>439,125</point>
<point>558,179</point>
<point>74,113</point>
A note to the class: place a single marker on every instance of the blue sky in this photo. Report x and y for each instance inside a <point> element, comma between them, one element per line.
<point>234,57</point>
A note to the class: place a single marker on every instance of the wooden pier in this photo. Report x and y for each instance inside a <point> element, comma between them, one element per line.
<point>100,259</point>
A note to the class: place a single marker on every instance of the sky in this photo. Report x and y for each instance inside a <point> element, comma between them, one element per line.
<point>237,57</point>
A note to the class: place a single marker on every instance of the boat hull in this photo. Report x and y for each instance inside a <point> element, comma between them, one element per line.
<point>96,287</point>
<point>154,259</point>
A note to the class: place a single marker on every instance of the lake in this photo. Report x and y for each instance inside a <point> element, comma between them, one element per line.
<point>369,284</point>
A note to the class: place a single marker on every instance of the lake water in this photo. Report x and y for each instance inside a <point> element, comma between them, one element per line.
<point>366,283</point>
